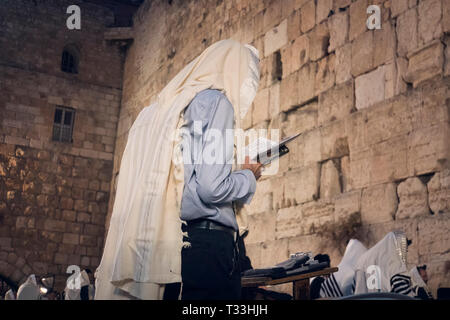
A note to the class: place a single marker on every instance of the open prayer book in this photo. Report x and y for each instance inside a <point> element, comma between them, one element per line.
<point>265,151</point>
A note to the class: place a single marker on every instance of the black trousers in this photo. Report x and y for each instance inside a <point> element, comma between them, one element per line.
<point>209,266</point>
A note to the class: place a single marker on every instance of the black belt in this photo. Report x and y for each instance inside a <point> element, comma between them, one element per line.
<point>211,225</point>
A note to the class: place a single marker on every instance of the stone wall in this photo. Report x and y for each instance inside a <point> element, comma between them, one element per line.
<point>373,106</point>
<point>54,195</point>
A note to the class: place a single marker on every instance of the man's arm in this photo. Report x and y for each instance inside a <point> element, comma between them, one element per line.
<point>215,181</point>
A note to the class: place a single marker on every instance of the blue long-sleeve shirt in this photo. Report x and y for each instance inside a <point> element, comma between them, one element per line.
<point>209,185</point>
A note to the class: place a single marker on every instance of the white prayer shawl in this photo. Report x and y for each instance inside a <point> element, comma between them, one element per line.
<point>341,283</point>
<point>143,245</point>
<point>74,293</point>
<point>389,254</point>
<point>29,290</point>
<point>10,295</point>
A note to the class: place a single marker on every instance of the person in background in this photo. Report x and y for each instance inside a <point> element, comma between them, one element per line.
<point>29,290</point>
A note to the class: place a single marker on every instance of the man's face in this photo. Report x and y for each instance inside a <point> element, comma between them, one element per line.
<point>424,275</point>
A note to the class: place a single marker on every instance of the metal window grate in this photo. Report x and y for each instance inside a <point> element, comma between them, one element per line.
<point>63,124</point>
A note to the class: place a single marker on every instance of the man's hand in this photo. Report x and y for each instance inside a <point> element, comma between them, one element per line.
<point>253,167</point>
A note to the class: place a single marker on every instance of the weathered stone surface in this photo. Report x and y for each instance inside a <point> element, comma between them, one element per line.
<point>305,83</point>
<point>301,119</point>
<point>329,180</point>
<point>290,223</point>
<point>275,38</point>
<point>430,26</point>
<point>445,16</point>
<point>358,18</point>
<point>343,63</point>
<point>347,204</point>
<point>439,192</point>
<point>379,203</point>
<point>338,24</point>
<point>398,6</point>
<point>336,103</point>
<point>319,40</point>
<point>261,106</point>
<point>326,75</point>
<point>433,234</point>
<point>362,53</point>
<point>262,199</point>
<point>323,10</point>
<point>302,185</point>
<point>407,32</point>
<point>261,227</point>
<point>413,199</point>
<point>370,88</point>
<point>428,148</point>
<point>308,16</point>
<point>426,63</point>
<point>384,44</point>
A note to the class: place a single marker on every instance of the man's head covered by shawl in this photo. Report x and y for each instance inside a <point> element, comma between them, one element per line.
<point>143,245</point>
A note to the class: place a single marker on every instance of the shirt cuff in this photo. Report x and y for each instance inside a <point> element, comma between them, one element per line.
<point>252,186</point>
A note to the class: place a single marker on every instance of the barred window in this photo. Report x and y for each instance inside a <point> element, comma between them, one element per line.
<point>63,124</point>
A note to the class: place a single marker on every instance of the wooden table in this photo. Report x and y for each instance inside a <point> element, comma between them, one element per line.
<point>300,282</point>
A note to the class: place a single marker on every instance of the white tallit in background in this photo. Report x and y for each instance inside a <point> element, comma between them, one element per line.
<point>389,254</point>
<point>143,245</point>
<point>74,293</point>
<point>341,283</point>
<point>29,290</point>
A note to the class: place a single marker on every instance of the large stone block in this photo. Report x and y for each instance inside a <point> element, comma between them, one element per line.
<point>54,225</point>
<point>338,25</point>
<point>379,203</point>
<point>434,236</point>
<point>301,119</point>
<point>319,40</point>
<point>262,199</point>
<point>362,53</point>
<point>261,106</point>
<point>398,6</point>
<point>306,83</point>
<point>329,180</point>
<point>334,142</point>
<point>275,38</point>
<point>413,199</point>
<point>430,23</point>
<point>288,91</point>
<point>290,223</point>
<point>407,37</point>
<point>347,204</point>
<point>343,63</point>
<point>308,16</point>
<point>387,120</point>
<point>310,144</point>
<point>323,10</point>
<point>439,192</point>
<point>326,75</point>
<point>445,16</point>
<point>71,238</point>
<point>261,227</point>
<point>370,88</point>
<point>384,44</point>
<point>358,18</point>
<point>428,149</point>
<point>302,185</point>
<point>295,55</point>
<point>336,103</point>
<point>293,25</point>
<point>389,160</point>
<point>425,63</point>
